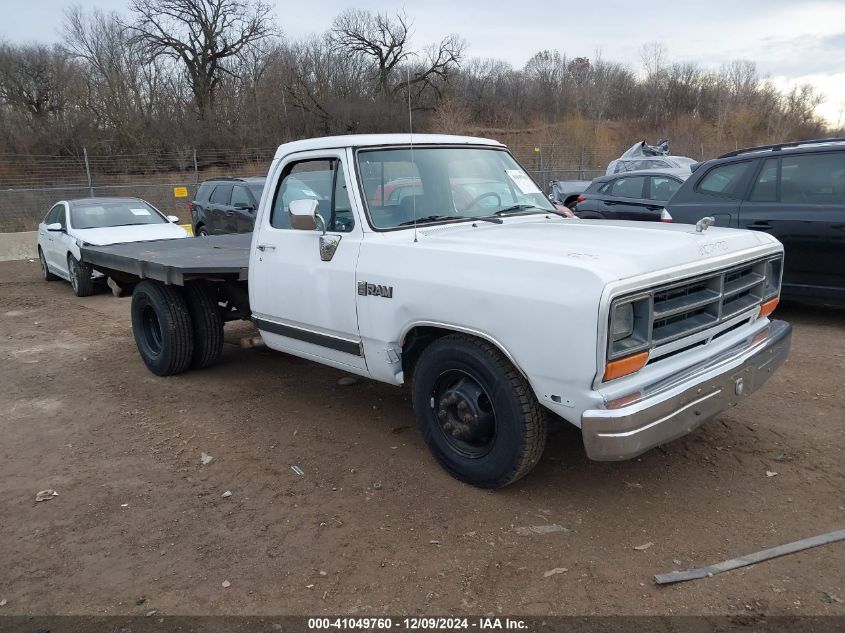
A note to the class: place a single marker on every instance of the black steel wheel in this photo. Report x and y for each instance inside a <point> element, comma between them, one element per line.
<point>161,324</point>
<point>476,412</point>
<point>465,413</point>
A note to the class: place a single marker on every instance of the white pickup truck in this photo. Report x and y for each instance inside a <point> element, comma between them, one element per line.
<point>436,262</point>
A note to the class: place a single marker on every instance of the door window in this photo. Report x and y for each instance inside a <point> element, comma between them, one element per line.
<point>813,179</point>
<point>342,220</point>
<point>322,180</point>
<point>766,187</point>
<point>240,197</point>
<point>631,187</point>
<point>221,194</point>
<point>725,180</point>
<point>663,187</point>
<point>54,214</point>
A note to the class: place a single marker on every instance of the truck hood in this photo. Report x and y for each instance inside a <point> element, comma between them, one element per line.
<point>135,233</point>
<point>612,250</point>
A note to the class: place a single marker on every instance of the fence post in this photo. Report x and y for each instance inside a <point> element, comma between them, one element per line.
<point>543,184</point>
<point>581,166</point>
<point>196,171</point>
<point>88,171</point>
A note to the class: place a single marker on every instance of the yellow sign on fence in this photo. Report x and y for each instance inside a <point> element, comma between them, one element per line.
<point>180,192</point>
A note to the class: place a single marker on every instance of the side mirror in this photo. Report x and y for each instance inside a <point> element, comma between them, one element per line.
<point>173,218</point>
<point>303,215</point>
<point>55,226</point>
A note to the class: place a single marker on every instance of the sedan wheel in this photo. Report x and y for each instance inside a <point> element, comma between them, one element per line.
<point>45,270</point>
<point>80,277</point>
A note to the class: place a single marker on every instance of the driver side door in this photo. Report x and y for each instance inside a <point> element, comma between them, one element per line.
<point>304,301</point>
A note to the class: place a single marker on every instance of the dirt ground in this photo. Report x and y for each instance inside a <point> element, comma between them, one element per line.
<point>374,526</point>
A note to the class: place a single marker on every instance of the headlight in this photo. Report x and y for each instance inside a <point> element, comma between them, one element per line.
<point>628,330</point>
<point>774,268</point>
<point>622,321</point>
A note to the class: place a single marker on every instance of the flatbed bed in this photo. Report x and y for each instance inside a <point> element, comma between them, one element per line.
<point>222,257</point>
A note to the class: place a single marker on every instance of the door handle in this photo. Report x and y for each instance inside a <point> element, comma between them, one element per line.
<point>760,226</point>
<point>266,247</point>
<point>230,212</point>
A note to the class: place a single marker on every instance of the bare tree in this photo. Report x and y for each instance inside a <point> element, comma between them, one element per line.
<point>200,34</point>
<point>383,41</point>
<point>36,80</point>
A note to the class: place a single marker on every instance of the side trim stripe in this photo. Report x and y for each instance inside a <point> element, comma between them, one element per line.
<point>344,345</point>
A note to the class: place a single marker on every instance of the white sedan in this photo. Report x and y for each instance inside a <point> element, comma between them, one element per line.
<point>97,221</point>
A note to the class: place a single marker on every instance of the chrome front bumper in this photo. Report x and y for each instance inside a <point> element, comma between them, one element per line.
<point>669,409</point>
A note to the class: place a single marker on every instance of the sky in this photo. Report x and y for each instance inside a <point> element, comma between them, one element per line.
<point>791,41</point>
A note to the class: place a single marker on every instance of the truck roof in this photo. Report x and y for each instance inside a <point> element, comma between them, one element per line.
<point>374,140</point>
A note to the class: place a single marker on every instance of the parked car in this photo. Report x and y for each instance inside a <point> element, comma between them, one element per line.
<point>98,221</point>
<point>793,191</point>
<point>639,157</point>
<point>565,192</point>
<point>225,205</point>
<point>642,156</point>
<point>639,196</point>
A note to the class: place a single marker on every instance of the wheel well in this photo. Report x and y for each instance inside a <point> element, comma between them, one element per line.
<point>421,336</point>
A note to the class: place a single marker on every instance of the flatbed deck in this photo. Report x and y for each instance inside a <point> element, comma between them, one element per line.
<point>175,261</point>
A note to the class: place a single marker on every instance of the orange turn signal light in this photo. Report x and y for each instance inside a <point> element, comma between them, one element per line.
<point>768,307</point>
<point>625,366</point>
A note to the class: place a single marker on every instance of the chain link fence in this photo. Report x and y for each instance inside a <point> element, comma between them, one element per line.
<point>30,185</point>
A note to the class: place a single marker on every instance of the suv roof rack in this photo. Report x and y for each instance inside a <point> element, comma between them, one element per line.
<point>779,146</point>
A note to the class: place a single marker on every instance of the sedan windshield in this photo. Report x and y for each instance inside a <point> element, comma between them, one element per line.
<point>97,214</point>
<point>442,184</point>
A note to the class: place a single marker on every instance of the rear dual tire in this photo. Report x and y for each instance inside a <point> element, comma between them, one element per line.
<point>176,328</point>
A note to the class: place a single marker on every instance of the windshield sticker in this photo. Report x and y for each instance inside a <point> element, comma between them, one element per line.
<point>139,211</point>
<point>522,181</point>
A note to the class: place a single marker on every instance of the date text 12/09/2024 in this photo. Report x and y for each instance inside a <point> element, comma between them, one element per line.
<point>417,623</point>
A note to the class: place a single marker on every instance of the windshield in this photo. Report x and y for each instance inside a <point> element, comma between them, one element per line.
<point>438,184</point>
<point>99,214</point>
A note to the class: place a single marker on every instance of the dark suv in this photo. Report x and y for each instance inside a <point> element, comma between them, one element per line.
<point>794,191</point>
<point>226,205</point>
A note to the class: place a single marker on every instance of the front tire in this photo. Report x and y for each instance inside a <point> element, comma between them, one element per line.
<point>161,324</point>
<point>476,412</point>
<point>45,270</point>
<point>80,277</point>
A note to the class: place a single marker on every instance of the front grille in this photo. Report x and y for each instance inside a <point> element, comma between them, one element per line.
<point>682,309</point>
<point>671,312</point>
